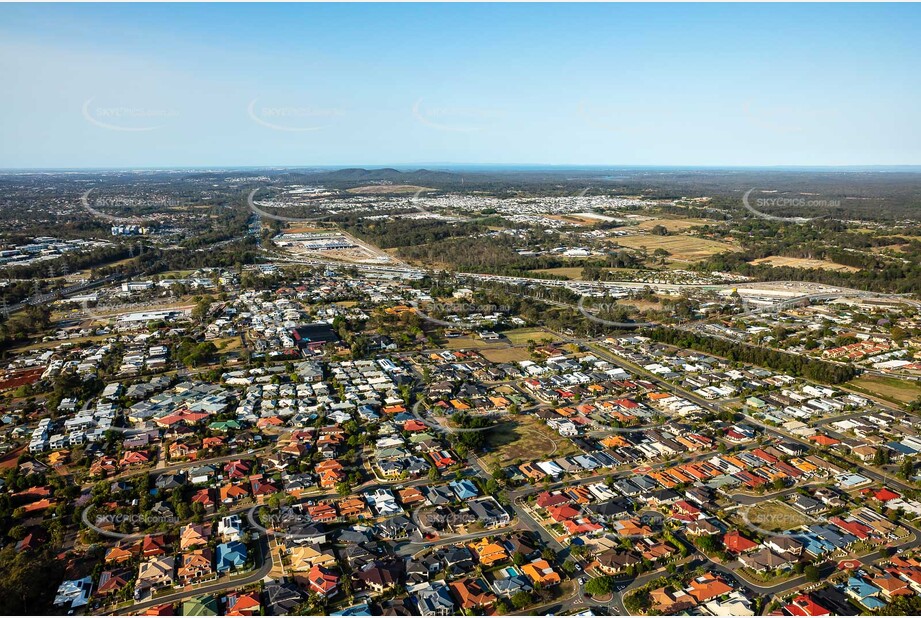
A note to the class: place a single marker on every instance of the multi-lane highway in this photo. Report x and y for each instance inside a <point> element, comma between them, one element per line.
<point>71,290</point>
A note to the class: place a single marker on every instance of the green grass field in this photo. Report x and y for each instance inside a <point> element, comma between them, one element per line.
<point>526,438</point>
<point>570,272</point>
<point>894,390</point>
<point>520,336</point>
<point>776,516</point>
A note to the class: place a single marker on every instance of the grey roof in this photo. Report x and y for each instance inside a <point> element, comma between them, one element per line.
<point>434,599</point>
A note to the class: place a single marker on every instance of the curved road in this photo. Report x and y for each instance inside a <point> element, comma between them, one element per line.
<point>215,587</point>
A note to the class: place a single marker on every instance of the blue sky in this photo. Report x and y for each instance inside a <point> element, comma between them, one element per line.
<point>401,84</point>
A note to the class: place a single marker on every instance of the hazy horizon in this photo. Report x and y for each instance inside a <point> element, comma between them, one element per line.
<point>674,86</point>
<point>538,167</point>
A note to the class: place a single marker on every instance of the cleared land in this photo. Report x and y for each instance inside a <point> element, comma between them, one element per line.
<point>570,272</point>
<point>778,260</point>
<point>776,516</point>
<point>895,390</point>
<point>382,189</point>
<point>11,459</point>
<point>511,354</point>
<point>672,225</point>
<point>683,248</point>
<point>642,305</point>
<point>227,344</point>
<point>299,228</point>
<point>576,219</point>
<point>520,336</point>
<point>524,438</point>
<point>472,343</point>
<point>75,342</point>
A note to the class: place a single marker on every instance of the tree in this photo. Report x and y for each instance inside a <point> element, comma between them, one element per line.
<point>907,469</point>
<point>709,545</point>
<point>200,311</point>
<point>521,599</point>
<point>811,572</point>
<point>24,587</point>
<point>903,606</point>
<point>881,457</point>
<point>638,602</point>
<point>600,586</point>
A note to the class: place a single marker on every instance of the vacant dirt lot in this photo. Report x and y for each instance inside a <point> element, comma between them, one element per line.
<point>570,272</point>
<point>525,438</point>
<point>511,354</point>
<point>575,219</point>
<point>383,189</point>
<point>300,228</point>
<point>894,390</point>
<point>776,516</point>
<point>520,336</point>
<point>672,225</point>
<point>682,248</point>
<point>777,260</point>
<point>472,343</point>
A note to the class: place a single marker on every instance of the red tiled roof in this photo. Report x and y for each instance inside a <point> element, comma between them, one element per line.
<point>736,543</point>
